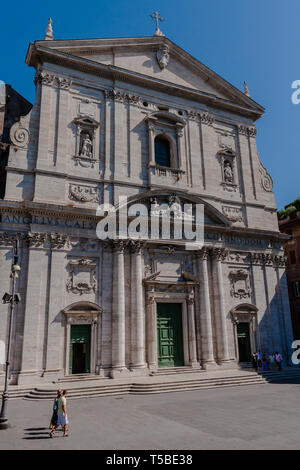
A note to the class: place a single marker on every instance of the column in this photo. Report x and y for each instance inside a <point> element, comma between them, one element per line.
<point>221,318</point>
<point>192,331</point>
<point>47,95</point>
<point>118,312</point>
<point>151,332</point>
<point>151,143</point>
<point>137,309</point>
<point>55,335</point>
<point>207,348</point>
<point>35,306</point>
<point>179,131</point>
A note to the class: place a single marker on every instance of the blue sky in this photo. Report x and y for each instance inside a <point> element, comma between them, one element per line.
<point>253,40</point>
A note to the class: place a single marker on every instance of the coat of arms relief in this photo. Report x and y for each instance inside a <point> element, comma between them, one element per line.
<point>240,284</point>
<point>82,276</point>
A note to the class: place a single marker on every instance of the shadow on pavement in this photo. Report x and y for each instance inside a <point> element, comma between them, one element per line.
<point>36,433</point>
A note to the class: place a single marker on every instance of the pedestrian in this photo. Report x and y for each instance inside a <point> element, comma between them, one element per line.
<point>259,356</point>
<point>278,358</point>
<point>53,421</point>
<point>264,361</point>
<point>254,361</point>
<point>272,361</point>
<point>62,417</point>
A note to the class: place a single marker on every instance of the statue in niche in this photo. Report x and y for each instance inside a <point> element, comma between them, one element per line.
<point>228,173</point>
<point>86,146</point>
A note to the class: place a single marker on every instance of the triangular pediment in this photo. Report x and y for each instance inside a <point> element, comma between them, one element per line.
<point>154,57</point>
<point>161,202</point>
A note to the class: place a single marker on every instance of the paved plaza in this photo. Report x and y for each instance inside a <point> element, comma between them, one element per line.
<point>262,416</point>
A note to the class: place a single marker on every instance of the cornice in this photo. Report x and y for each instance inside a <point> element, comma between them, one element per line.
<point>38,53</point>
<point>37,208</point>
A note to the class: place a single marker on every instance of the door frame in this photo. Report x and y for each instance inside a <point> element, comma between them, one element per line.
<point>83,313</point>
<point>246,313</point>
<point>182,339</point>
<point>152,299</point>
<point>71,353</point>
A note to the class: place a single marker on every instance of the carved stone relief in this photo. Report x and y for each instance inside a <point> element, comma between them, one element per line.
<point>233,213</point>
<point>163,56</point>
<point>82,276</point>
<point>83,193</point>
<point>240,284</point>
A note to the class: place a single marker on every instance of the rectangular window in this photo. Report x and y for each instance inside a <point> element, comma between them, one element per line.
<point>296,288</point>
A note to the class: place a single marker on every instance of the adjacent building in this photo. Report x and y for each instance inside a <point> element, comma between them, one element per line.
<point>141,118</point>
<point>289,223</point>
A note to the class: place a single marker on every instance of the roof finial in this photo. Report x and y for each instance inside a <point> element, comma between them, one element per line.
<point>246,90</point>
<point>49,31</point>
<point>157,18</point>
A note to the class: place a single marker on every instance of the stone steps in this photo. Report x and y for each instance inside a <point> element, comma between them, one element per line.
<point>79,378</point>
<point>140,388</point>
<point>176,371</point>
<point>278,376</point>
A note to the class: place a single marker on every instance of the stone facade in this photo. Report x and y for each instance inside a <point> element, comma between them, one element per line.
<point>90,138</point>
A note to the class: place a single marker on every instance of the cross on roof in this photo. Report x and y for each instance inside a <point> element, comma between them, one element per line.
<point>157,18</point>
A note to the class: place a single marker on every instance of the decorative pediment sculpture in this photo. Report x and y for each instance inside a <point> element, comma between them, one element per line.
<point>163,56</point>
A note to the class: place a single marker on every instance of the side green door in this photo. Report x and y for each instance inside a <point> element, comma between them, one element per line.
<point>169,335</point>
<point>80,349</point>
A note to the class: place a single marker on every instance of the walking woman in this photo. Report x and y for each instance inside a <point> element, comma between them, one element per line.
<point>53,421</point>
<point>62,418</point>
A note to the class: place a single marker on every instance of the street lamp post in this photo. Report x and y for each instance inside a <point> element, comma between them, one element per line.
<point>13,299</point>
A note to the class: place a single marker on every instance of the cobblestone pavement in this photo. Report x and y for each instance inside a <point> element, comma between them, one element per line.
<point>256,417</point>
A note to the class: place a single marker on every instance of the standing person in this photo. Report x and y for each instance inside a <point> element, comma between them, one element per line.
<point>272,361</point>
<point>264,361</point>
<point>254,361</point>
<point>62,418</point>
<point>259,356</point>
<point>278,358</point>
<point>53,421</point>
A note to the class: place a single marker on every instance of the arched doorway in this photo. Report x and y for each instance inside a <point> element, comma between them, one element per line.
<point>244,318</point>
<point>81,333</point>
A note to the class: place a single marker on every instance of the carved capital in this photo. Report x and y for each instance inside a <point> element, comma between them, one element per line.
<point>36,239</point>
<point>49,79</point>
<point>137,246</point>
<point>243,130</point>
<point>203,253</point>
<point>219,254</point>
<point>59,241</point>
<point>119,245</point>
<point>206,118</point>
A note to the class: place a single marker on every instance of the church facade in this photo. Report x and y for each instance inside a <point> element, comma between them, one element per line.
<point>141,118</point>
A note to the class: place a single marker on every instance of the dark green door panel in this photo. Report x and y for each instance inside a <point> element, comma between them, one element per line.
<point>80,349</point>
<point>169,335</point>
<point>243,336</point>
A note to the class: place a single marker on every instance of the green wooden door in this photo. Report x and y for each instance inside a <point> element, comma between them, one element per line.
<point>243,336</point>
<point>80,349</point>
<point>169,335</point>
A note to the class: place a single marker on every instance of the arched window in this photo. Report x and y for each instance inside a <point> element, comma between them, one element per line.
<point>162,151</point>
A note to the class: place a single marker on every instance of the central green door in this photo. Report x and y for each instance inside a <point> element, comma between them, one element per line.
<point>80,347</point>
<point>169,335</point>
